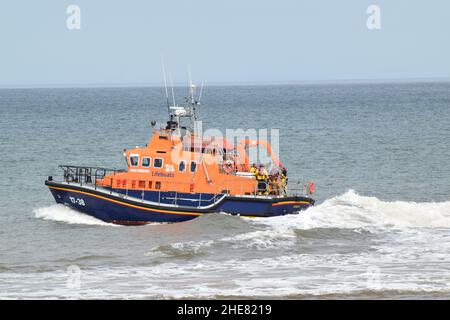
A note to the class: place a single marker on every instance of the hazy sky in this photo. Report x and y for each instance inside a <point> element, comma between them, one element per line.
<point>121,42</point>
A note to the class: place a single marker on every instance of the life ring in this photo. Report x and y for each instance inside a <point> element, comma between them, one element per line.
<point>228,166</point>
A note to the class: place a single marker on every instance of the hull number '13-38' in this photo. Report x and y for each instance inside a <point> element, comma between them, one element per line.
<point>78,201</point>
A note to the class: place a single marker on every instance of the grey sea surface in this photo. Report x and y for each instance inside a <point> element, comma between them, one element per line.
<point>378,153</point>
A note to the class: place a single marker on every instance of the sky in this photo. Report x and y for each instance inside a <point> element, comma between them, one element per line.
<point>234,41</point>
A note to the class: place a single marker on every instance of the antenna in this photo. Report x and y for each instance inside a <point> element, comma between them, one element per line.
<point>165,82</point>
<point>200,94</point>
<point>171,84</point>
<point>191,86</point>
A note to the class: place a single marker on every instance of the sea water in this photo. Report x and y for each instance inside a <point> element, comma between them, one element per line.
<point>379,154</point>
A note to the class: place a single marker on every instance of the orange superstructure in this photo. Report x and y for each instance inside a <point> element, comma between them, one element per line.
<point>178,159</point>
<point>168,163</point>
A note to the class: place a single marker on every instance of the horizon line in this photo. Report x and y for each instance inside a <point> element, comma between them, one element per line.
<point>227,83</point>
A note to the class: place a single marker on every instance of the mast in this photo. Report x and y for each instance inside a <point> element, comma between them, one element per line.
<point>177,112</point>
<point>171,84</point>
<point>165,83</point>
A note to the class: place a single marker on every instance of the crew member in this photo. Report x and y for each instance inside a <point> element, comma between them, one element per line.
<point>284,180</point>
<point>273,188</point>
<point>262,176</point>
<point>254,169</point>
<point>263,173</point>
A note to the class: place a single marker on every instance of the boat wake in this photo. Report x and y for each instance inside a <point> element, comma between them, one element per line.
<point>61,213</point>
<point>348,217</point>
<point>352,211</point>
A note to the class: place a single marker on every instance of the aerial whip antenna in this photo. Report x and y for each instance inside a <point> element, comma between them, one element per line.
<point>171,84</point>
<point>165,83</point>
<point>200,94</point>
<point>191,85</point>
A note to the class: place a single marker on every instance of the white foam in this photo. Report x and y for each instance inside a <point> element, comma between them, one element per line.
<point>61,213</point>
<point>351,210</point>
<point>262,239</point>
<point>295,274</point>
<point>194,246</point>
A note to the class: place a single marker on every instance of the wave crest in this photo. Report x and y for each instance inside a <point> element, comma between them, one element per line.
<point>353,211</point>
<point>61,213</point>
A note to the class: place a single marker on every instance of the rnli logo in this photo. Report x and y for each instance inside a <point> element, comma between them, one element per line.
<point>163,175</point>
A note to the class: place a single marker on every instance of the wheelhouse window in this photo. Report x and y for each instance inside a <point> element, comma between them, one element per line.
<point>134,160</point>
<point>193,166</point>
<point>182,166</point>
<point>158,163</point>
<point>146,162</point>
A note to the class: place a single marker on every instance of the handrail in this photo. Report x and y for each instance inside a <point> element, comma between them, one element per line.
<point>85,174</point>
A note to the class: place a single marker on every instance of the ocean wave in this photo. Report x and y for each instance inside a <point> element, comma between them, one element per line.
<point>260,239</point>
<point>346,217</point>
<point>300,275</point>
<point>180,249</point>
<point>61,213</point>
<point>354,211</point>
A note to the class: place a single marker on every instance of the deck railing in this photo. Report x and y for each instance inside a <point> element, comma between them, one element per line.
<point>86,175</point>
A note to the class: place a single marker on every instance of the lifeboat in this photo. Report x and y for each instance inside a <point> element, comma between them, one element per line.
<point>180,175</point>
